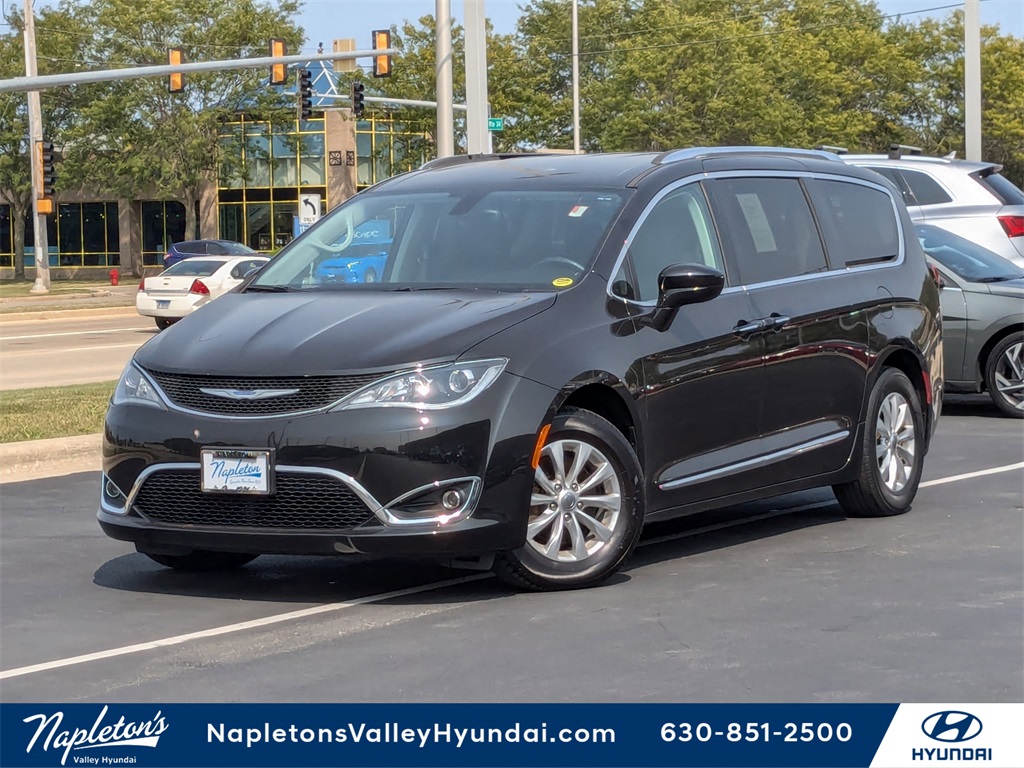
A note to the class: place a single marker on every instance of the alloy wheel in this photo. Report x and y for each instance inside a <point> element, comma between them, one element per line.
<point>1009,375</point>
<point>576,502</point>
<point>894,441</point>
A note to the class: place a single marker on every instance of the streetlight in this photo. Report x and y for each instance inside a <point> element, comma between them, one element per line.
<point>575,78</point>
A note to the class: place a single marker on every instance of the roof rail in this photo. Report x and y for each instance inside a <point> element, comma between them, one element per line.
<point>677,155</point>
<point>896,151</point>
<point>834,150</point>
<point>445,162</point>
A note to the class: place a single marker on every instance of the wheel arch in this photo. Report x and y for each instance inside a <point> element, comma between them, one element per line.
<point>905,358</point>
<point>608,396</point>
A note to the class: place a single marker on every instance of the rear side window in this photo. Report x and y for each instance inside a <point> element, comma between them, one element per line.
<point>770,229</point>
<point>925,189</point>
<point>193,247</point>
<point>1003,188</point>
<point>859,222</point>
<point>892,175</point>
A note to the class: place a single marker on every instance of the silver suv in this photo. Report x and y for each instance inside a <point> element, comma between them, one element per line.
<point>970,199</point>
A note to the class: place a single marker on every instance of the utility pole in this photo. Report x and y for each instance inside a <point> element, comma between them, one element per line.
<point>443,69</point>
<point>575,77</point>
<point>478,138</point>
<point>35,134</point>
<point>972,79</point>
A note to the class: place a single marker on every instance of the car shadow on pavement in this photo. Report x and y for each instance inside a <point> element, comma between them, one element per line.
<point>319,580</point>
<point>971,405</point>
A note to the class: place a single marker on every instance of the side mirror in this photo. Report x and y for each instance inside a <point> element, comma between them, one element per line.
<point>679,285</point>
<point>682,284</point>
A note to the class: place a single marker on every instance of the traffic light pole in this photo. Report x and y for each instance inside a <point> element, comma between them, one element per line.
<point>35,134</point>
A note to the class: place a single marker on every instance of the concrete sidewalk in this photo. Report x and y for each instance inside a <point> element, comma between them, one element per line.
<point>35,459</point>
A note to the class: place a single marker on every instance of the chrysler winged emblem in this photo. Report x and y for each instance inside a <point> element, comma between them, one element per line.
<point>248,394</point>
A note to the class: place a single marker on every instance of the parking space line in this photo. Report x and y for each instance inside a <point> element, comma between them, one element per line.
<point>239,627</point>
<point>66,350</point>
<point>979,473</point>
<point>340,606</point>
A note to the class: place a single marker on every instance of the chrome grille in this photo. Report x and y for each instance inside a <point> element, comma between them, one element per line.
<point>300,501</point>
<point>314,392</point>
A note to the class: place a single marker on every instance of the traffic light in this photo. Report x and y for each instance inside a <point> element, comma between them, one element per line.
<point>382,63</point>
<point>305,94</point>
<point>278,72</point>
<point>176,80</point>
<point>358,98</point>
<point>47,177</point>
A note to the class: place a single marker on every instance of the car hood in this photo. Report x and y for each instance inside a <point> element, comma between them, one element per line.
<point>1013,288</point>
<point>295,334</point>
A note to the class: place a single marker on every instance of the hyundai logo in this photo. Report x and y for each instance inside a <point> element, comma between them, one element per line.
<point>951,726</point>
<point>248,394</point>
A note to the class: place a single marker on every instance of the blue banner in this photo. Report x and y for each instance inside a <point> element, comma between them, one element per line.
<point>355,735</point>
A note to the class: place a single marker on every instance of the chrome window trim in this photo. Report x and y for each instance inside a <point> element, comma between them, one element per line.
<point>785,174</point>
<point>380,511</point>
<point>755,463</point>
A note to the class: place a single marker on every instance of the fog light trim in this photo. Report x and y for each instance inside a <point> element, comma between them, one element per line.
<point>455,500</point>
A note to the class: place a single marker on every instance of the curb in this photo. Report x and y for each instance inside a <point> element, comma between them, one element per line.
<point>63,314</point>
<point>35,459</point>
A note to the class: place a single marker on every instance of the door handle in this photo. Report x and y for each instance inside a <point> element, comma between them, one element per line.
<point>775,321</point>
<point>745,328</point>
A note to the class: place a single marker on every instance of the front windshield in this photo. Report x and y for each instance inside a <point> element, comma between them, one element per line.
<point>501,239</point>
<point>964,258</point>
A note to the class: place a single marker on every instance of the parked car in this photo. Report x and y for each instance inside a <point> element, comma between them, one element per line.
<point>181,289</point>
<point>983,318</point>
<point>192,248</point>
<point>971,199</point>
<point>362,255</point>
<point>559,350</point>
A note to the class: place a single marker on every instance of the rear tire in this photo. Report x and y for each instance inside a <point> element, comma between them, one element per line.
<point>202,560</point>
<point>586,508</point>
<point>1004,375</point>
<point>891,452</point>
<point>163,323</point>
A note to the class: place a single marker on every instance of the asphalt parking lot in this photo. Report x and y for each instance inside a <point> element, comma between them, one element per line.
<point>785,600</point>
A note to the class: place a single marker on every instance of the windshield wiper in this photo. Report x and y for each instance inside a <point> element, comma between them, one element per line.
<point>1000,278</point>
<point>270,289</point>
<point>410,288</point>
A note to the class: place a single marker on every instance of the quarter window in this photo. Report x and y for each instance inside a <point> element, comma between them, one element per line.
<point>859,222</point>
<point>771,231</point>
<point>678,230</point>
<point>926,190</point>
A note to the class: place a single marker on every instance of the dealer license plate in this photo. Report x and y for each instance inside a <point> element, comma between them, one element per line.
<point>164,304</point>
<point>234,470</point>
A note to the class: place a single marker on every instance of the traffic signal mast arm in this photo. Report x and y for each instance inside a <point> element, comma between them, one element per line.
<point>43,82</point>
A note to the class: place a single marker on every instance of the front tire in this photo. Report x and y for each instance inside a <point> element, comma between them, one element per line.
<point>202,560</point>
<point>586,508</point>
<point>891,453</point>
<point>370,276</point>
<point>1004,375</point>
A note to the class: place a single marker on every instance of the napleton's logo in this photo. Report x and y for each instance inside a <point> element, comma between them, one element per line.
<point>119,734</point>
<point>951,726</point>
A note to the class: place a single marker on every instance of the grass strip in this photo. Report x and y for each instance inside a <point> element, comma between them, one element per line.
<point>35,414</point>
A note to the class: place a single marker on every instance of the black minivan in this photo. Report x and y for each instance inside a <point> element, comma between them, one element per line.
<point>558,350</point>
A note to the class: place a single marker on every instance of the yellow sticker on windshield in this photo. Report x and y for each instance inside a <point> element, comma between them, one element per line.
<point>561,282</point>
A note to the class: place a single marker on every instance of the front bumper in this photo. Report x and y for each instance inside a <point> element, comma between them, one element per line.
<point>372,457</point>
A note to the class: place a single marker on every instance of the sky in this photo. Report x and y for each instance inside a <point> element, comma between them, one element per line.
<point>325,20</point>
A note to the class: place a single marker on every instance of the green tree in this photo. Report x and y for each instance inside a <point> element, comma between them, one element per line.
<point>1002,108</point>
<point>134,137</point>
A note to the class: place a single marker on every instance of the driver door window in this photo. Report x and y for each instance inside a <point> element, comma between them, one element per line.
<point>677,230</point>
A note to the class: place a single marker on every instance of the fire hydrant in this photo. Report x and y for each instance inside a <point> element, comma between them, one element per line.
<point>114,276</point>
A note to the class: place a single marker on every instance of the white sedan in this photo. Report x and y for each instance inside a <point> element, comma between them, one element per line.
<point>189,284</point>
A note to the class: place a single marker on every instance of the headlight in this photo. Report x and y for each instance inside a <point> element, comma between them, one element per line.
<point>135,388</point>
<point>441,386</point>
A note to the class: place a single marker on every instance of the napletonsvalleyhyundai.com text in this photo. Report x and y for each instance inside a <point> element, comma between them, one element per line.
<point>394,733</point>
